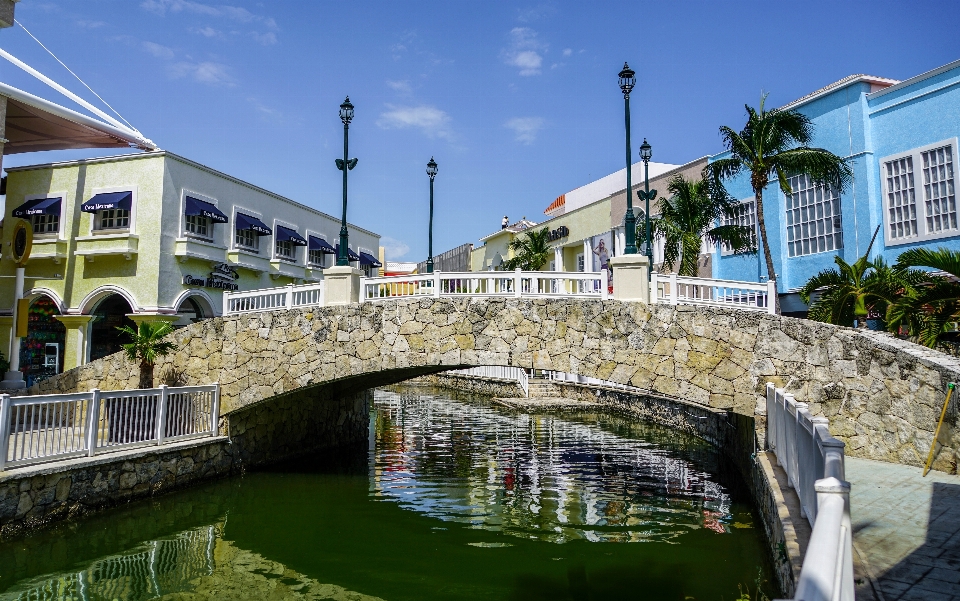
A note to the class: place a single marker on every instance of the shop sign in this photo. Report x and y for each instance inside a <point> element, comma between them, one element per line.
<point>222,277</point>
<point>561,232</point>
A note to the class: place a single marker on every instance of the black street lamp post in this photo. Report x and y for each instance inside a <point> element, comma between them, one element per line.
<point>432,173</point>
<point>646,153</point>
<point>627,81</point>
<point>345,164</point>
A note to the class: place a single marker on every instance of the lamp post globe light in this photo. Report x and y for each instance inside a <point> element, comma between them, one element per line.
<point>431,173</point>
<point>646,153</point>
<point>345,164</point>
<point>627,81</point>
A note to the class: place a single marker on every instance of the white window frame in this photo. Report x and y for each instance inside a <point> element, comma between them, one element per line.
<point>234,245</point>
<point>293,247</point>
<point>184,232</point>
<point>131,228</point>
<point>580,263</point>
<point>834,215</point>
<point>63,202</point>
<point>323,256</point>
<point>920,199</point>
<point>726,251</point>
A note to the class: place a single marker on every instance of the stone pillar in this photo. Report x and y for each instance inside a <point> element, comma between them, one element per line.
<point>630,280</point>
<point>341,285</point>
<point>587,255</point>
<point>558,258</point>
<point>76,346</point>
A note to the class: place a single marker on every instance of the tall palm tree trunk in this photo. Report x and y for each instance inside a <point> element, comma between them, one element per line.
<point>767,255</point>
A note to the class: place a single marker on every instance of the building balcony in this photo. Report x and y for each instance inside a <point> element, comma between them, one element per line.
<point>248,260</point>
<point>195,248</point>
<point>49,248</point>
<point>289,269</point>
<point>107,245</point>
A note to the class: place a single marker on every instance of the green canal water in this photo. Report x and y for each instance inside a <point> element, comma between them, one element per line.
<point>450,499</point>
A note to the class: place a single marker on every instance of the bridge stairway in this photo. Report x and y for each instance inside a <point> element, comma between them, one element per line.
<point>543,388</point>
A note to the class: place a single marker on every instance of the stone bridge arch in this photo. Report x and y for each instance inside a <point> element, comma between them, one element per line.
<point>881,394</point>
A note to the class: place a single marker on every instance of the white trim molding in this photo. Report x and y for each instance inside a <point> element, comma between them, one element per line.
<point>912,212</point>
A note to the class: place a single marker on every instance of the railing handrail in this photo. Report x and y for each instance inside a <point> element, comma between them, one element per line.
<point>813,461</point>
<point>42,428</point>
<point>698,281</point>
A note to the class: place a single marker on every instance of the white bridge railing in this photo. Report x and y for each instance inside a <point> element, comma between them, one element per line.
<point>682,290</point>
<point>269,299</point>
<point>517,374</point>
<point>38,429</point>
<point>519,284</point>
<point>813,461</point>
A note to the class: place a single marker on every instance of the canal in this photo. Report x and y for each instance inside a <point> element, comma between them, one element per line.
<point>451,499</point>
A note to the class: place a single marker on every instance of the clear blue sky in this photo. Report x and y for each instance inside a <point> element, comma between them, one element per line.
<point>518,102</point>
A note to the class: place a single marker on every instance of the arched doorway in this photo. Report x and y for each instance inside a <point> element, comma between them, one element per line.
<point>110,314</point>
<point>191,310</point>
<point>41,351</point>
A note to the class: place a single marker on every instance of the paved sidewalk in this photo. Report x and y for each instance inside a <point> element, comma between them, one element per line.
<point>906,531</point>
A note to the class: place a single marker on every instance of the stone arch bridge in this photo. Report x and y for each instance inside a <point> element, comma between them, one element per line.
<point>881,394</point>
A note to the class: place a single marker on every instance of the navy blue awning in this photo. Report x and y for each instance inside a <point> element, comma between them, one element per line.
<point>321,245</point>
<point>38,206</point>
<point>195,206</point>
<point>285,234</point>
<point>353,256</point>
<point>368,259</point>
<point>108,201</point>
<point>246,222</point>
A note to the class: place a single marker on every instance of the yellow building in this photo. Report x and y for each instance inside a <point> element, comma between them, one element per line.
<point>149,237</point>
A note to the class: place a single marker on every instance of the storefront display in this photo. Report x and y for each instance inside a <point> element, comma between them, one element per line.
<point>41,352</point>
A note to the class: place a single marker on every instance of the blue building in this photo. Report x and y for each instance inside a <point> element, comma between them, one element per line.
<point>901,141</point>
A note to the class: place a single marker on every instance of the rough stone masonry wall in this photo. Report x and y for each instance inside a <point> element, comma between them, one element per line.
<point>882,395</point>
<point>304,421</point>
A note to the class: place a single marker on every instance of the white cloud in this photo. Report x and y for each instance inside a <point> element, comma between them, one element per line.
<point>567,51</point>
<point>157,50</point>
<point>393,249</point>
<point>207,31</point>
<point>265,111</point>
<point>525,129</point>
<point>232,13</point>
<point>431,120</point>
<point>203,72</point>
<point>265,39</point>
<point>524,51</point>
<point>400,86</point>
<point>90,24</point>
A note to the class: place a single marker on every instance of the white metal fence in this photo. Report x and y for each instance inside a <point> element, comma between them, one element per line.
<point>38,429</point>
<point>517,374</point>
<point>561,376</point>
<point>813,461</point>
<point>673,289</point>
<point>268,299</point>
<point>538,284</point>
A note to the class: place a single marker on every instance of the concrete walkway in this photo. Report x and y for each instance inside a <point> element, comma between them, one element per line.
<point>906,532</point>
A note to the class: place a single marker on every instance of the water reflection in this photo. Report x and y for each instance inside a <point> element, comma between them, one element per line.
<point>543,477</point>
<point>453,500</point>
<point>193,564</point>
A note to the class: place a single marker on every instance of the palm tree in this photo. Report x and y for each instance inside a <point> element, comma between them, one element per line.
<point>929,306</point>
<point>690,216</point>
<point>146,346</point>
<point>851,291</point>
<point>774,144</point>
<point>531,251</point>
